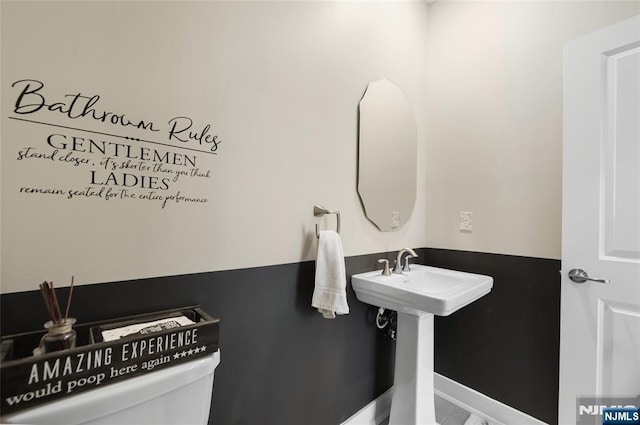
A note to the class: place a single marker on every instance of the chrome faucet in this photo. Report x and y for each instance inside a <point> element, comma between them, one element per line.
<point>397,268</point>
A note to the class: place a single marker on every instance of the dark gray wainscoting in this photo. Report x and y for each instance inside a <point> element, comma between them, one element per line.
<point>507,344</point>
<point>283,364</point>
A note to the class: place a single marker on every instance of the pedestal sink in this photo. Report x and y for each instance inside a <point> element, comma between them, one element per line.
<point>417,295</point>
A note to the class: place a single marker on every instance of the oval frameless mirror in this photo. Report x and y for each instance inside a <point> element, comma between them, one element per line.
<point>387,152</point>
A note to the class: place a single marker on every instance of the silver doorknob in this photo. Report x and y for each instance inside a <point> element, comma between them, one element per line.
<point>580,276</point>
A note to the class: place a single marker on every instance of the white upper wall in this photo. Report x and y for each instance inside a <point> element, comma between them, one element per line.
<point>278,82</point>
<point>494,119</point>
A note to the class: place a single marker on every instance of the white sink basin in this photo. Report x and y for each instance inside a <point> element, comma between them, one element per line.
<point>422,290</point>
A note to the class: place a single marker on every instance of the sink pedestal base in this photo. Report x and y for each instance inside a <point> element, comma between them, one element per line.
<point>413,397</point>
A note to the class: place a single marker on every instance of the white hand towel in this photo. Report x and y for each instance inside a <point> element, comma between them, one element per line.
<point>330,295</point>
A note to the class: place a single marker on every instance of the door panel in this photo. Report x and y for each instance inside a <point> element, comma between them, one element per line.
<point>621,154</point>
<point>618,367</point>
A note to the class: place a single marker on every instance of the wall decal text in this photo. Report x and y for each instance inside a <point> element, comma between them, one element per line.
<point>116,166</point>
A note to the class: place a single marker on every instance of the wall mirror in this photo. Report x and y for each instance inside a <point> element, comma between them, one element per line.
<point>387,151</point>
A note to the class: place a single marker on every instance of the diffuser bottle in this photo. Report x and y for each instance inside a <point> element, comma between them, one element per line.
<point>59,336</point>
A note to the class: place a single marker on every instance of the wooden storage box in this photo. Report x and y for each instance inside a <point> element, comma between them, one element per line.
<point>28,380</point>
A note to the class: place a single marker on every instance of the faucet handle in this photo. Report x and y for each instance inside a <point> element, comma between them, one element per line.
<point>406,267</point>
<point>385,271</point>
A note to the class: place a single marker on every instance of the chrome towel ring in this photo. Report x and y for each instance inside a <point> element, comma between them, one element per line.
<point>320,211</point>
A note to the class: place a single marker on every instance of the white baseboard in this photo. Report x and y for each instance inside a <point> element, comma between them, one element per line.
<point>373,413</point>
<point>493,411</point>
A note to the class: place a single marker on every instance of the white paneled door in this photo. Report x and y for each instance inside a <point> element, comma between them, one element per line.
<point>600,322</point>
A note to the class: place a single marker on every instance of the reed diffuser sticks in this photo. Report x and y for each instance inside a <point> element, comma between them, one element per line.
<point>60,333</point>
<point>52,304</point>
<point>66,312</point>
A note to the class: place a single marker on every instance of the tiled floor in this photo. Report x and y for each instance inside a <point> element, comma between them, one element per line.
<point>446,413</point>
